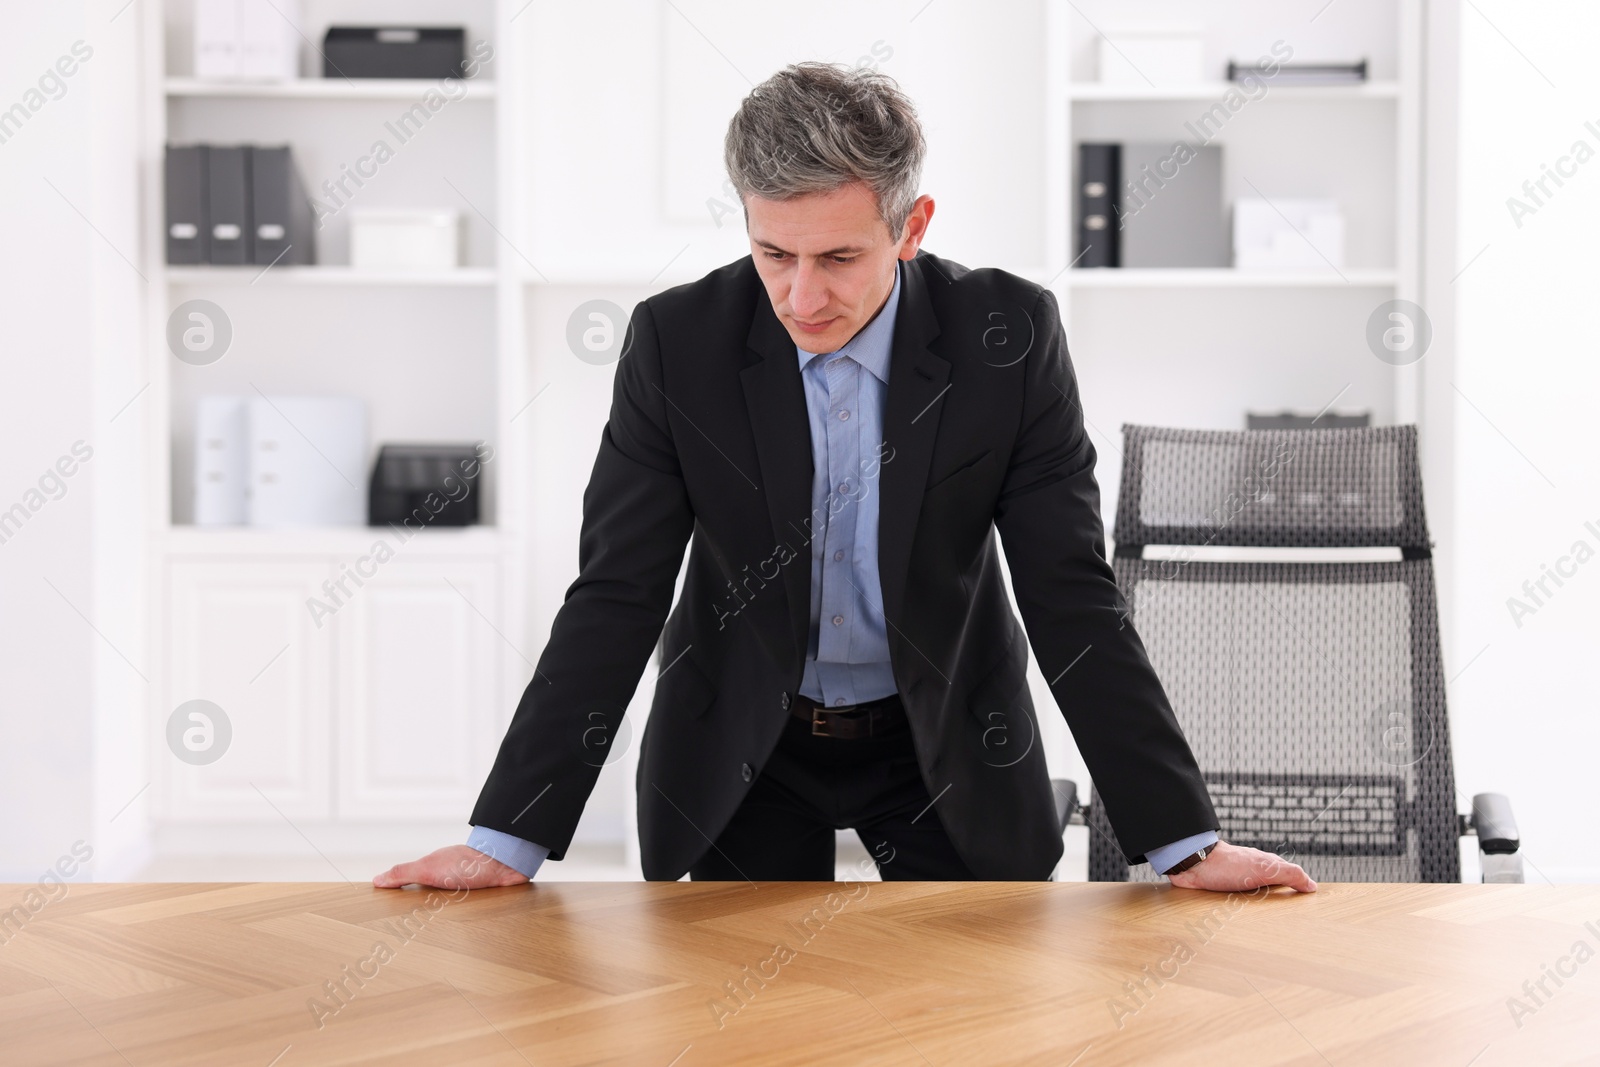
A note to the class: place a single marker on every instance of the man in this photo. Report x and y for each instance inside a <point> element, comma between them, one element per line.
<point>837,426</point>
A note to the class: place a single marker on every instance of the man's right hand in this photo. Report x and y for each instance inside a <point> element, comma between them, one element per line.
<point>451,867</point>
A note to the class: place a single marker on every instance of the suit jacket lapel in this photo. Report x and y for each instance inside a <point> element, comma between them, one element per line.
<point>918,380</point>
<point>776,400</point>
<point>781,428</point>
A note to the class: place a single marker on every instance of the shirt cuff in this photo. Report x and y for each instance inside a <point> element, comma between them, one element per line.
<point>516,853</point>
<point>1167,856</point>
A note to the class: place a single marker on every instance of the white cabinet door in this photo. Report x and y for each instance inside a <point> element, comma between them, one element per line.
<point>419,670</point>
<point>242,637</point>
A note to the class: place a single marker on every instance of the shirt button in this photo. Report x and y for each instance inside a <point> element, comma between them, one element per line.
<point>844,487</point>
<point>844,416</point>
<point>838,620</point>
<point>839,555</point>
<point>746,772</point>
<point>838,701</point>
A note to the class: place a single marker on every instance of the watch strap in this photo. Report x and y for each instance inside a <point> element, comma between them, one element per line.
<point>1190,860</point>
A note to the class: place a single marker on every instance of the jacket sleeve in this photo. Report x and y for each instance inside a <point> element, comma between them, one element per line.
<point>636,522</point>
<point>1048,515</point>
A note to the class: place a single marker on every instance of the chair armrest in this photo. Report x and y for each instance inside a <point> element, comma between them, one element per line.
<point>1065,791</point>
<point>1494,824</point>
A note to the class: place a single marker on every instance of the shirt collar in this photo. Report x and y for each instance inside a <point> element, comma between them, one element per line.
<point>871,345</point>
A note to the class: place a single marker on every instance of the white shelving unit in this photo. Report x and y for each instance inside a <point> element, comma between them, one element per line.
<point>1200,347</point>
<point>370,727</point>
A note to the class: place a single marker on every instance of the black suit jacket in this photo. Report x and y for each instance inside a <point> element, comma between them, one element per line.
<point>708,444</point>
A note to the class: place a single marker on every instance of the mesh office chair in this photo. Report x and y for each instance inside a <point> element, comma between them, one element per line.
<point>1311,692</point>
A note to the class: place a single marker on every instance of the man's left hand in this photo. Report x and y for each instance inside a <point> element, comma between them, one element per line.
<point>1229,868</point>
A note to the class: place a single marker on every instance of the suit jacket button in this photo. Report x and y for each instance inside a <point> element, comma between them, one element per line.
<point>747,772</point>
<point>785,702</point>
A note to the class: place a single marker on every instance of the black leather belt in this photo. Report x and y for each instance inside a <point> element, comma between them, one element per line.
<point>873,718</point>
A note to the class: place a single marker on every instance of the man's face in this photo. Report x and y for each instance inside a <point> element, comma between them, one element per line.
<point>828,260</point>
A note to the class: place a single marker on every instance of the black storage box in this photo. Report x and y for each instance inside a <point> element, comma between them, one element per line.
<point>284,223</point>
<point>406,476</point>
<point>393,52</point>
<point>237,205</point>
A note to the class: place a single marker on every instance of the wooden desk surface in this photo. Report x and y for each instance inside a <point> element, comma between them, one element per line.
<point>683,974</point>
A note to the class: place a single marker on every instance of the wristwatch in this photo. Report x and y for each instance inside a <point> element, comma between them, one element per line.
<point>1190,860</point>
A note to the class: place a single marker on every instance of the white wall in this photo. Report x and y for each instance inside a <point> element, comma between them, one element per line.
<point>71,645</point>
<point>1523,387</point>
<point>622,175</point>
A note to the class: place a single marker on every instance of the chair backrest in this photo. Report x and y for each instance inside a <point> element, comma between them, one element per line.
<point>1311,693</point>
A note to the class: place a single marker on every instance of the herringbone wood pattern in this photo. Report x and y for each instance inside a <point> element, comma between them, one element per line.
<point>684,974</point>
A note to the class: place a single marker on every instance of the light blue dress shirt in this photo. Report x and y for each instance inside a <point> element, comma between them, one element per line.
<point>847,656</point>
<point>514,852</point>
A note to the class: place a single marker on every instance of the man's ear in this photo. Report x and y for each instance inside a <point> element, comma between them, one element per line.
<point>916,228</point>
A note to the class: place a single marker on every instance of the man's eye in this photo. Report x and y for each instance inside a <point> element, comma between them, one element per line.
<point>776,255</point>
<point>844,260</point>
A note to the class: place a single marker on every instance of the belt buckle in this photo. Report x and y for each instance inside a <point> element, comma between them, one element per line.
<point>819,723</point>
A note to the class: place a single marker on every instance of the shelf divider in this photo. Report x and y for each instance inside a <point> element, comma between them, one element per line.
<point>326,88</point>
<point>1094,91</point>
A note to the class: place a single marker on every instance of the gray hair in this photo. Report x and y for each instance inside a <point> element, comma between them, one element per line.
<point>813,127</point>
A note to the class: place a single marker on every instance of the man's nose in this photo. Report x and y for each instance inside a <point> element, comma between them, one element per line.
<point>809,293</point>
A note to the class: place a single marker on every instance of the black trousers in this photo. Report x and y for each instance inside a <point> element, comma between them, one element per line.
<point>812,786</point>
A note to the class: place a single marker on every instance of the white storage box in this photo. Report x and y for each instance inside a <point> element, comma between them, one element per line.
<point>222,461</point>
<point>1166,55</point>
<point>308,461</point>
<point>284,461</point>
<point>405,239</point>
<point>246,40</point>
<point>1264,239</point>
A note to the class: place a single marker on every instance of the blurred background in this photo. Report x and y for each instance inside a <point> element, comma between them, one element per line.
<point>276,271</point>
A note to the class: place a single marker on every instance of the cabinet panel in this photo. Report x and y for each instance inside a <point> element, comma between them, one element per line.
<point>243,638</point>
<point>418,689</point>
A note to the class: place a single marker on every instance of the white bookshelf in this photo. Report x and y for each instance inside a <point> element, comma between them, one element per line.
<point>1270,340</point>
<point>344,117</point>
<point>437,355</point>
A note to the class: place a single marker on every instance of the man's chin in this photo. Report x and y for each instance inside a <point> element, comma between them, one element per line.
<point>824,341</point>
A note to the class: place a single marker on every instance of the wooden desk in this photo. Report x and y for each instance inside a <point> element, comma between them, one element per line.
<point>900,973</point>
